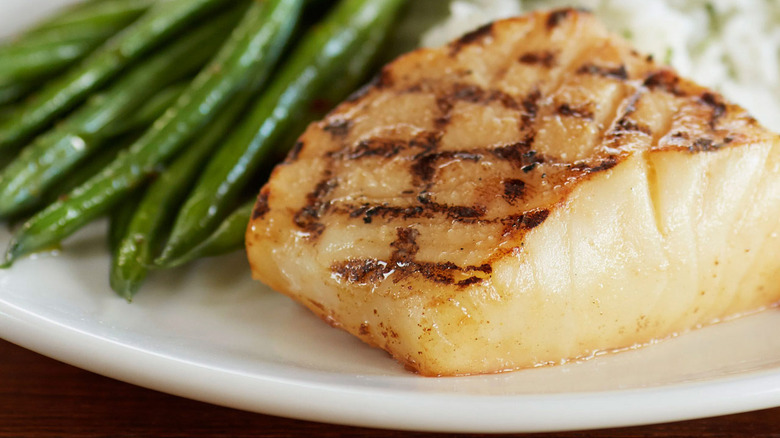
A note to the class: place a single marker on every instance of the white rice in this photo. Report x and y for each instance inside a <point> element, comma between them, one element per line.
<point>732,46</point>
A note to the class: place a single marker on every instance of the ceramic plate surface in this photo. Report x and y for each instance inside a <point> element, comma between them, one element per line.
<point>210,333</point>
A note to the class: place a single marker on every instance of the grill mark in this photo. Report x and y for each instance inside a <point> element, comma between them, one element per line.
<point>545,58</point>
<point>557,17</point>
<point>664,80</point>
<point>402,264</point>
<point>367,271</point>
<point>428,209</point>
<point>361,271</point>
<point>444,105</point>
<point>619,73</point>
<point>632,101</point>
<point>581,112</point>
<point>530,103</point>
<point>523,222</point>
<point>514,189</point>
<point>475,94</point>
<point>601,164</point>
<point>530,106</point>
<point>464,214</point>
<point>718,107</point>
<point>405,246</point>
<point>556,82</point>
<point>618,123</point>
<point>519,155</point>
<point>475,36</point>
<point>471,93</point>
<point>703,144</point>
<point>469,281</point>
<point>308,217</point>
<point>295,151</point>
<point>387,148</point>
<point>423,168</point>
<point>261,206</point>
<point>625,125</point>
<point>338,127</point>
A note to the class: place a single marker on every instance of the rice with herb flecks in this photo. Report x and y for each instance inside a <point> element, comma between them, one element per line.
<point>732,46</point>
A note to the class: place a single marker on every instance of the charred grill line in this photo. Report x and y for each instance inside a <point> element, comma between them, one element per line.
<point>523,222</point>
<point>718,107</point>
<point>544,58</point>
<point>664,80</point>
<point>387,148</point>
<point>337,127</point>
<point>464,214</point>
<point>428,209</point>
<point>423,169</point>
<point>703,144</point>
<point>598,164</point>
<point>519,155</point>
<point>445,101</point>
<point>405,246</point>
<point>261,206</point>
<point>514,189</point>
<point>473,37</point>
<point>367,271</point>
<point>556,17</point>
<point>295,151</point>
<point>444,104</point>
<point>619,73</point>
<point>402,265</point>
<point>308,217</point>
<point>624,125</point>
<point>567,110</point>
<point>530,106</point>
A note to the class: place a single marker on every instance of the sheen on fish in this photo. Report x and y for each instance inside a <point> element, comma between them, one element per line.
<point>534,192</point>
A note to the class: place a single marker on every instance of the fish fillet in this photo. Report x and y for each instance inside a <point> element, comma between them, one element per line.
<point>533,192</point>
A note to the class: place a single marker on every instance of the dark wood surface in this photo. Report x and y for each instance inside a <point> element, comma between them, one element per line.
<point>40,397</point>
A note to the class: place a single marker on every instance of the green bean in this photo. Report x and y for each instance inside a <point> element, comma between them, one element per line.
<point>13,93</point>
<point>151,110</point>
<point>228,237</point>
<point>45,52</point>
<point>354,74</point>
<point>5,112</point>
<point>91,166</point>
<point>58,42</point>
<point>119,221</point>
<point>88,13</point>
<point>41,61</point>
<point>151,30</point>
<point>42,163</point>
<point>77,176</point>
<point>320,55</point>
<point>242,65</point>
<point>119,138</point>
<point>143,236</point>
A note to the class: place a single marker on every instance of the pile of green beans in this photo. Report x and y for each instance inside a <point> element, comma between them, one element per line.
<point>161,114</point>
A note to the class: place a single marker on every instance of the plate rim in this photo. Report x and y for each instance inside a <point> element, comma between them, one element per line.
<point>373,407</point>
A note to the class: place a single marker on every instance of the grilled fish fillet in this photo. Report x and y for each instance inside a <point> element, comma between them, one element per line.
<point>533,192</point>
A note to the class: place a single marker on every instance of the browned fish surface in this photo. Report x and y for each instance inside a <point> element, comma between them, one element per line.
<point>533,192</point>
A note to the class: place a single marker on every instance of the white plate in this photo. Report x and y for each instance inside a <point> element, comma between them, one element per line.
<point>210,333</point>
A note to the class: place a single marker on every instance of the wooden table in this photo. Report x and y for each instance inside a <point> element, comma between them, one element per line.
<point>40,397</point>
